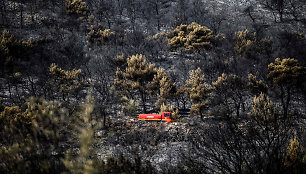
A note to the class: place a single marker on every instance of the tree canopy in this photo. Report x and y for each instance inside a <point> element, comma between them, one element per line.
<point>192,37</point>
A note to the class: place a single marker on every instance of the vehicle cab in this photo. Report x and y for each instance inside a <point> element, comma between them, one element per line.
<point>166,116</point>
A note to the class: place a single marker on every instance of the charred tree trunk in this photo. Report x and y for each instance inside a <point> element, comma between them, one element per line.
<point>21,15</point>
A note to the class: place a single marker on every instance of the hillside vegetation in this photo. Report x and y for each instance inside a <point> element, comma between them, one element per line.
<point>75,74</point>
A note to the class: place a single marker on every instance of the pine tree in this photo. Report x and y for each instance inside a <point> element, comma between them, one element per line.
<point>243,41</point>
<point>181,96</point>
<point>99,36</point>
<point>83,162</point>
<point>249,46</point>
<point>198,92</point>
<point>263,109</point>
<point>136,79</point>
<point>228,94</point>
<point>63,82</point>
<point>26,132</point>
<point>286,74</point>
<point>162,83</point>
<point>295,157</point>
<point>269,130</point>
<point>192,37</point>
<point>256,86</point>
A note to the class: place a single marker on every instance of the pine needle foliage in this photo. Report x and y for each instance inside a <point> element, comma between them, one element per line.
<point>192,37</point>
<point>198,92</point>
<point>12,51</point>
<point>120,61</point>
<point>29,137</point>
<point>286,72</point>
<point>228,95</point>
<point>129,106</point>
<point>286,75</point>
<point>295,155</point>
<point>174,112</point>
<point>63,82</point>
<point>243,41</point>
<point>256,86</point>
<point>139,69</point>
<point>136,78</point>
<point>76,7</point>
<point>100,36</point>
<point>9,45</point>
<point>263,109</point>
<point>162,83</point>
<point>82,160</point>
<point>248,45</point>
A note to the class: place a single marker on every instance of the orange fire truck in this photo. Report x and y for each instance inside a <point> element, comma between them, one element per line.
<point>165,116</point>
